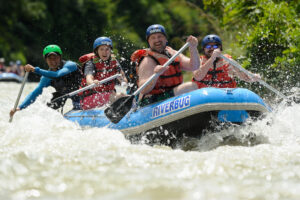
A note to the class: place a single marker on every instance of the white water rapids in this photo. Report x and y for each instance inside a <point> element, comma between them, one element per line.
<point>44,156</point>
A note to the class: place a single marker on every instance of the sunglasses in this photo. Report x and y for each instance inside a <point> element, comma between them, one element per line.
<point>215,46</point>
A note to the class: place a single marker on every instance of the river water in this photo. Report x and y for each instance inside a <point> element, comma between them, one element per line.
<point>44,156</point>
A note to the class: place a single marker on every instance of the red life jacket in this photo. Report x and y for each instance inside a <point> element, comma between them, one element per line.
<point>170,78</point>
<point>217,76</point>
<point>103,70</point>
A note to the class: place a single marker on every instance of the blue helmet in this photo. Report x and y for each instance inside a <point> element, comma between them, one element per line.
<point>18,62</point>
<point>211,38</point>
<point>102,41</point>
<point>155,28</point>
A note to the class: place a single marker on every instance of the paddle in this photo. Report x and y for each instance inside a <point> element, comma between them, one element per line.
<point>234,63</point>
<point>87,87</point>
<point>19,95</point>
<point>121,106</point>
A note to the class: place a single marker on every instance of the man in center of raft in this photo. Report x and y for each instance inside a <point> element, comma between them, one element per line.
<point>169,83</point>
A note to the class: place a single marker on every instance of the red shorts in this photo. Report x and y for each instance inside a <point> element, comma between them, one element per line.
<point>95,100</point>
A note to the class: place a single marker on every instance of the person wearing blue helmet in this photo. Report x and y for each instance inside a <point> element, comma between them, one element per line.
<point>63,76</point>
<point>215,71</point>
<point>155,28</point>
<point>150,61</point>
<point>20,68</point>
<point>99,65</point>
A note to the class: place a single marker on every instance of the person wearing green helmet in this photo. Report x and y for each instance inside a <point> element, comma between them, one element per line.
<point>64,76</point>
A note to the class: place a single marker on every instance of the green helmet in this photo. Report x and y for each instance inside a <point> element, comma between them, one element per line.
<point>52,48</point>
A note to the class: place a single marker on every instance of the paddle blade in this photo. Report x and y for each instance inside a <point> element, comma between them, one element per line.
<point>119,108</point>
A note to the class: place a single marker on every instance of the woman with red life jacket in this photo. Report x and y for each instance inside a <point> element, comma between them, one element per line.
<point>98,66</point>
<point>151,60</point>
<point>215,71</point>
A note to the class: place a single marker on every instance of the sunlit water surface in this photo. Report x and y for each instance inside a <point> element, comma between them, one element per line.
<point>44,156</point>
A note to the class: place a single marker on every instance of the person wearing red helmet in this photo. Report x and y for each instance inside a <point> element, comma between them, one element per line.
<point>215,71</point>
<point>149,61</point>
<point>99,65</point>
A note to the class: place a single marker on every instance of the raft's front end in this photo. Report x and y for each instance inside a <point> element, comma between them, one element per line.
<point>187,114</point>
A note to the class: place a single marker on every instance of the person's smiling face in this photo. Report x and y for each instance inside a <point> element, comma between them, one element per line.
<point>157,42</point>
<point>53,61</point>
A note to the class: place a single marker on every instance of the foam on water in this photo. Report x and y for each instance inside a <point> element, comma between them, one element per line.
<point>44,156</point>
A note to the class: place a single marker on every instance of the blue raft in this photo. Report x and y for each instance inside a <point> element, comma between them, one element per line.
<point>10,77</point>
<point>188,114</point>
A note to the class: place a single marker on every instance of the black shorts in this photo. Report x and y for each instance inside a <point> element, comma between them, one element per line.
<point>156,98</point>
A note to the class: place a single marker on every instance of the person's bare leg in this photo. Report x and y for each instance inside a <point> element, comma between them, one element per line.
<point>184,88</point>
<point>114,96</point>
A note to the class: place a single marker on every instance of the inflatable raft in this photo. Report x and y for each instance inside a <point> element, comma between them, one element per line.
<point>10,77</point>
<point>188,114</point>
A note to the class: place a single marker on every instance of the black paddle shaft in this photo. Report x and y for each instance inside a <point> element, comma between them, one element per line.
<point>119,108</point>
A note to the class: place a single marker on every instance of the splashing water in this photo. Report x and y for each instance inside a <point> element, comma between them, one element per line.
<point>44,156</point>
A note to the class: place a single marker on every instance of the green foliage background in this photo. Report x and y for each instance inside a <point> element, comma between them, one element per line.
<point>263,35</point>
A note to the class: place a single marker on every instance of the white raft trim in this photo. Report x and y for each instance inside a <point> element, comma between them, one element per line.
<point>191,111</point>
